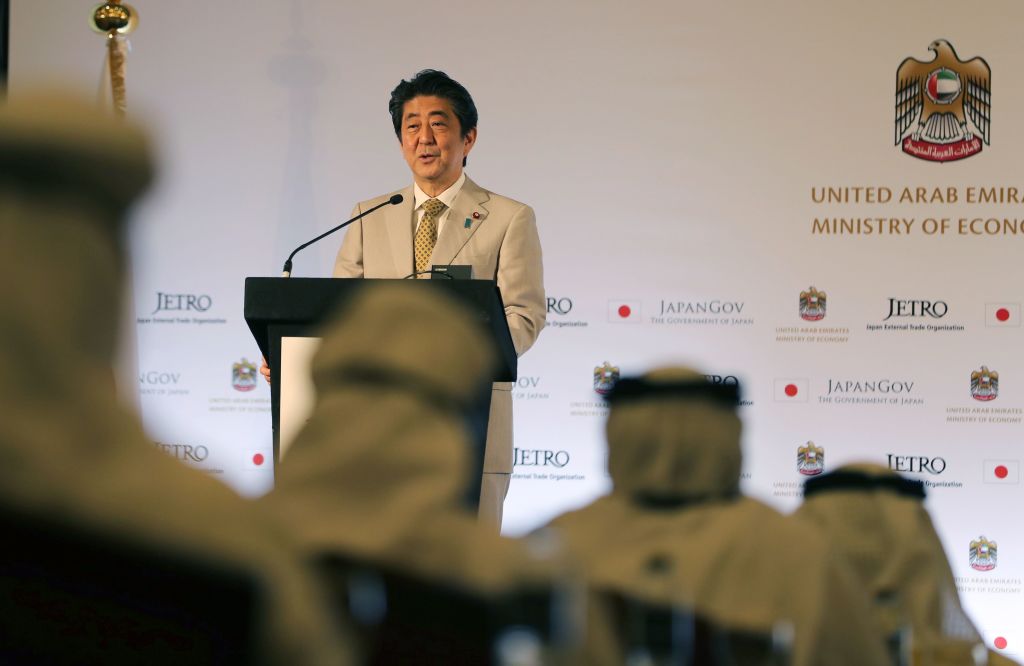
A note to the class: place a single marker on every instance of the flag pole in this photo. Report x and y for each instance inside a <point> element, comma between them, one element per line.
<point>5,39</point>
<point>115,20</point>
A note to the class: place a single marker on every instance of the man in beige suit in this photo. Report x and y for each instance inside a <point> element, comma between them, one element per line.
<point>446,218</point>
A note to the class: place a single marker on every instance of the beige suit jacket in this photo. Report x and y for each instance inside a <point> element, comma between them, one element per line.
<point>498,237</point>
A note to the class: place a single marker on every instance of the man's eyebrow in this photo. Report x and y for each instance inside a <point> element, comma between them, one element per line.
<point>413,114</point>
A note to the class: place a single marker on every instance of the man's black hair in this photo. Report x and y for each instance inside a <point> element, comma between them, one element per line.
<point>433,83</point>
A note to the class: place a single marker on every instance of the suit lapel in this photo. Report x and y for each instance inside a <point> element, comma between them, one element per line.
<point>398,220</point>
<point>466,216</point>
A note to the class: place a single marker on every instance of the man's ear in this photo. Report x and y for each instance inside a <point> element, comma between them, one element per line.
<point>469,141</point>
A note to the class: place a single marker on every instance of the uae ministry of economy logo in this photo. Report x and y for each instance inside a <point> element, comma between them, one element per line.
<point>941,96</point>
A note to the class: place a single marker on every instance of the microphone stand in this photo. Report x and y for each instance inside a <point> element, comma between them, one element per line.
<point>287,270</point>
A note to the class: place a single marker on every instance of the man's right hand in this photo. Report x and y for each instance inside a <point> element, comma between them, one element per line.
<point>265,370</point>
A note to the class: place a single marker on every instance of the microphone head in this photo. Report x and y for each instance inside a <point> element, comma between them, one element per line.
<point>396,199</point>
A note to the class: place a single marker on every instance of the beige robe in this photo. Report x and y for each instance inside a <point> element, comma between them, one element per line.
<point>732,559</point>
<point>381,470</point>
<point>67,450</point>
<point>892,548</point>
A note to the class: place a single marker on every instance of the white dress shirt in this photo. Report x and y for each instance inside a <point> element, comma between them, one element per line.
<point>447,198</point>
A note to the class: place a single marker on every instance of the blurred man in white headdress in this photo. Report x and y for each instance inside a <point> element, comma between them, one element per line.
<point>68,452</point>
<point>877,520</point>
<point>382,471</point>
<point>675,527</point>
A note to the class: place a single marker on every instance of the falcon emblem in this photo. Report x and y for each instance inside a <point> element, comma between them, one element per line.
<point>605,377</point>
<point>941,96</point>
<point>983,554</point>
<point>984,384</point>
<point>810,459</point>
<point>812,305</point>
<point>243,375</point>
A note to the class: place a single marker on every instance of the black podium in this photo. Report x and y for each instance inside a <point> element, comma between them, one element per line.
<point>293,307</point>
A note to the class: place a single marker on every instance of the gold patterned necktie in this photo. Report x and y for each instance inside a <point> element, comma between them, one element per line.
<point>426,233</point>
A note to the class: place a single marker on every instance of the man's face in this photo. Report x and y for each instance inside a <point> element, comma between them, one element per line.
<point>432,142</point>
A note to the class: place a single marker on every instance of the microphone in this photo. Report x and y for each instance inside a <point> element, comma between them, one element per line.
<point>393,201</point>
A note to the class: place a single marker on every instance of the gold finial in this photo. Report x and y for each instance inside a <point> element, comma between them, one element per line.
<point>114,17</point>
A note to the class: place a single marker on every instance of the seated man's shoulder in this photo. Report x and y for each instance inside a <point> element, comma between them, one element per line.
<point>755,517</point>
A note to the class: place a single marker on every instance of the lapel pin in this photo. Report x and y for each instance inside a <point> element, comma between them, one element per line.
<point>469,223</point>
<point>476,215</point>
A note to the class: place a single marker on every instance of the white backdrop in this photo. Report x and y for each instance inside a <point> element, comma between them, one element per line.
<point>674,154</point>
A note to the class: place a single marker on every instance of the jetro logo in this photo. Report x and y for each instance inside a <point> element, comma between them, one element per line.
<point>916,464</point>
<point>540,458</point>
<point>916,308</point>
<point>182,303</point>
<point>243,375</point>
<point>941,95</point>
<point>185,452</point>
<point>812,305</point>
<point>605,377</point>
<point>984,384</point>
<point>810,459</point>
<point>559,306</point>
<point>983,554</point>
